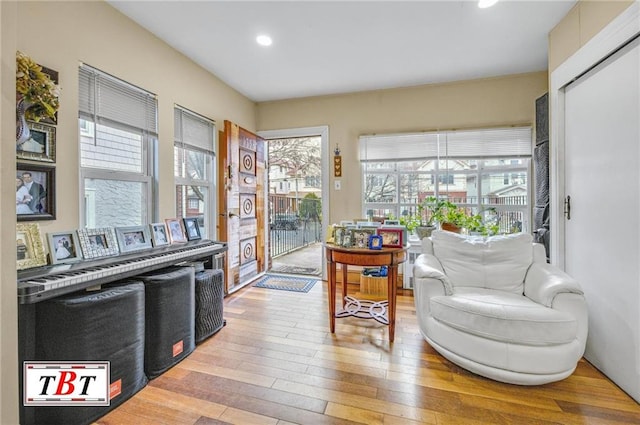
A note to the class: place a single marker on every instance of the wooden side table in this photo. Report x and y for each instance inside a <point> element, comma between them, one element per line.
<point>384,312</point>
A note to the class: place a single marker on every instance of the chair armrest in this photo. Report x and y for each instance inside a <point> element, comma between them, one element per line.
<point>427,269</point>
<point>544,282</point>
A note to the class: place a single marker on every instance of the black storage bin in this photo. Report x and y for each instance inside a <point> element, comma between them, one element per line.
<point>105,325</point>
<point>169,317</point>
<point>209,291</point>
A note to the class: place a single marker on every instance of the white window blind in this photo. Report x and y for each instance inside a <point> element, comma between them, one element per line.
<point>485,143</point>
<point>104,97</point>
<point>193,130</point>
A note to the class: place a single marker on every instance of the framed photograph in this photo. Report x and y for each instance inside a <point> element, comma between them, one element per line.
<point>159,235</point>
<point>64,247</point>
<point>375,242</point>
<point>390,237</point>
<point>35,192</point>
<point>54,78</point>
<point>338,234</point>
<point>361,237</point>
<point>192,228</point>
<point>29,246</point>
<point>42,144</point>
<point>96,243</point>
<point>133,238</point>
<point>176,231</point>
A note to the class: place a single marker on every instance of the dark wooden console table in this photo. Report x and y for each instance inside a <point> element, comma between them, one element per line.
<point>384,312</point>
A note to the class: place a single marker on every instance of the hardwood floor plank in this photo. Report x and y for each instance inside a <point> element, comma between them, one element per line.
<point>276,363</point>
<point>354,414</point>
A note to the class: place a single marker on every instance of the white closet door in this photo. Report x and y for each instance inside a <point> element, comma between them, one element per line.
<point>602,237</point>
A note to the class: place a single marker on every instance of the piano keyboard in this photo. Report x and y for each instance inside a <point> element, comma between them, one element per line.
<point>52,283</point>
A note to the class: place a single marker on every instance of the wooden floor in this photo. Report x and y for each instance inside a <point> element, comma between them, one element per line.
<point>276,363</point>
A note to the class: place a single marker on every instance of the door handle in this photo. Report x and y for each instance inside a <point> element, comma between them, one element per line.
<point>567,207</point>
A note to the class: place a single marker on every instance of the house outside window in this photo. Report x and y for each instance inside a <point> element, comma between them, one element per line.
<point>194,168</point>
<point>118,143</point>
<point>467,168</point>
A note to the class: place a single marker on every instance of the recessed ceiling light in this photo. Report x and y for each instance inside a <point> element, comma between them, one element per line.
<point>264,40</point>
<point>483,4</point>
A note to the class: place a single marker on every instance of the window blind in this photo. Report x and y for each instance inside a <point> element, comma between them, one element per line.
<point>104,97</point>
<point>193,130</point>
<point>485,143</point>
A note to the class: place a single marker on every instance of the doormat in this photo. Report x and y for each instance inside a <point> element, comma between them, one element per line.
<point>281,268</point>
<point>286,283</point>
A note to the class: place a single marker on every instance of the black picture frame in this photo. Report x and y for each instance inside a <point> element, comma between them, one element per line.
<point>192,228</point>
<point>39,202</point>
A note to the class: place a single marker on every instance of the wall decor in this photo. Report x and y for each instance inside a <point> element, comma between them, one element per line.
<point>35,192</point>
<point>37,95</point>
<point>133,238</point>
<point>64,247</point>
<point>176,231</point>
<point>390,237</point>
<point>337,162</point>
<point>192,228</point>
<point>41,145</point>
<point>99,242</point>
<point>159,234</point>
<point>30,251</point>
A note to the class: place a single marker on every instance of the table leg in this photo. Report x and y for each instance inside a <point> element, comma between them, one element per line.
<point>331,269</point>
<point>392,292</point>
<point>345,276</point>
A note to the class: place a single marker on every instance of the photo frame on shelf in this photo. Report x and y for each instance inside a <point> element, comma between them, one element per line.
<point>35,192</point>
<point>133,238</point>
<point>64,247</point>
<point>375,242</point>
<point>175,230</point>
<point>30,249</point>
<point>192,228</point>
<point>390,237</point>
<point>41,146</point>
<point>360,237</point>
<point>159,235</point>
<point>98,242</point>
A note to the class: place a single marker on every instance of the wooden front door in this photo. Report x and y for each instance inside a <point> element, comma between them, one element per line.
<point>242,195</point>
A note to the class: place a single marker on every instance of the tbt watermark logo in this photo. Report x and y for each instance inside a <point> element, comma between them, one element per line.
<point>66,383</point>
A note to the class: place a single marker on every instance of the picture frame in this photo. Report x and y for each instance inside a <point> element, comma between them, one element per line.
<point>53,74</point>
<point>41,146</point>
<point>64,247</point>
<point>35,191</point>
<point>192,228</point>
<point>30,250</point>
<point>159,236</point>
<point>133,238</point>
<point>360,237</point>
<point>175,230</point>
<point>390,237</point>
<point>98,242</point>
<point>375,242</point>
<point>331,234</point>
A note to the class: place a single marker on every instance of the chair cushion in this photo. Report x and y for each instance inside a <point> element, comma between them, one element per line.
<point>496,262</point>
<point>503,316</point>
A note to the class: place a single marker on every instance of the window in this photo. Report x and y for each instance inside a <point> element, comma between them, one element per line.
<point>193,168</point>
<point>485,171</point>
<point>118,139</point>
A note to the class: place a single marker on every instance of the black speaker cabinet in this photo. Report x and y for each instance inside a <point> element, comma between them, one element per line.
<point>169,318</point>
<point>103,325</point>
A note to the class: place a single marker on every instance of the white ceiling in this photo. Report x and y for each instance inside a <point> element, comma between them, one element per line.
<point>329,47</point>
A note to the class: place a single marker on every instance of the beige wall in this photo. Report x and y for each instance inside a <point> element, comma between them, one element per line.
<point>582,22</point>
<point>467,104</point>
<point>59,35</point>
